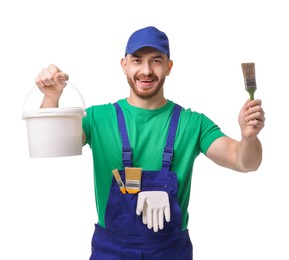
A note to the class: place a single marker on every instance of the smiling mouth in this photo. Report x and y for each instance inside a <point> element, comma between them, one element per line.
<point>146,83</point>
<point>146,80</point>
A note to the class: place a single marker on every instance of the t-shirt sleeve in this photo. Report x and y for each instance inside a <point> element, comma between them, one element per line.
<point>210,132</point>
<point>86,125</point>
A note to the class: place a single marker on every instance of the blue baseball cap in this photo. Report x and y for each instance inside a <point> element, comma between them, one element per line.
<point>148,37</point>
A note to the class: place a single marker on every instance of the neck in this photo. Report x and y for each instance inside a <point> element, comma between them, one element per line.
<point>151,103</point>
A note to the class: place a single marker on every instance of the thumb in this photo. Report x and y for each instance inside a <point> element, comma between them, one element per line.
<point>140,203</point>
<point>60,77</point>
<point>167,213</point>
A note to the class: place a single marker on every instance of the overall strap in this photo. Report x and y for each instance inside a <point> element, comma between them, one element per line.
<point>169,148</point>
<point>126,148</point>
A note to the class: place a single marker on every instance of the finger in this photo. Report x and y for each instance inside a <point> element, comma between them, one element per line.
<point>149,218</point>
<point>39,83</point>
<point>60,77</point>
<point>140,203</point>
<point>168,213</point>
<point>252,103</point>
<point>155,220</point>
<point>161,219</point>
<point>257,117</point>
<point>256,124</point>
<point>46,77</point>
<point>255,110</point>
<point>144,215</point>
<point>53,69</point>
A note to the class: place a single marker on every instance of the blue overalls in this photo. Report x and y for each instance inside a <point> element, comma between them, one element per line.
<point>125,236</point>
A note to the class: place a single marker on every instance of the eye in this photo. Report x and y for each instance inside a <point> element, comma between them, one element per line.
<point>136,60</point>
<point>156,61</point>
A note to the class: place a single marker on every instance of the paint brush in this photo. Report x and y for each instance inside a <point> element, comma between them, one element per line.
<point>249,78</point>
<point>119,181</point>
<point>133,179</point>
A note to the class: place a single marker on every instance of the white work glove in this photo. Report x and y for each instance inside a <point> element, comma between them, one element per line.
<point>154,206</point>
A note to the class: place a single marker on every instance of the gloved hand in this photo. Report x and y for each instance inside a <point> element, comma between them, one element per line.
<point>154,206</point>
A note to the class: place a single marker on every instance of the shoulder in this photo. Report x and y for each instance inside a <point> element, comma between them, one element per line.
<point>189,116</point>
<point>101,111</point>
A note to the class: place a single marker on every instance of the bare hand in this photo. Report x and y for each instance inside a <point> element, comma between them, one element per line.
<point>51,81</point>
<point>251,118</point>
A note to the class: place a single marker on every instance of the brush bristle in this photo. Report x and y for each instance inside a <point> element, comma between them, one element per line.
<point>249,78</point>
<point>133,179</point>
<point>248,71</point>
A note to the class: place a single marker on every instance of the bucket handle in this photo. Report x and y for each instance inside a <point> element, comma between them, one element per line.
<point>78,92</point>
<point>69,83</point>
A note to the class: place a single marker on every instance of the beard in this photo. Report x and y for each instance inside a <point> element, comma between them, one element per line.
<point>147,93</point>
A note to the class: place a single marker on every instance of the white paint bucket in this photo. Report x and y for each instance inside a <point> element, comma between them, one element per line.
<point>55,132</point>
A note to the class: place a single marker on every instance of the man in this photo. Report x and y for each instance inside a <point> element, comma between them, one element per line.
<point>152,144</point>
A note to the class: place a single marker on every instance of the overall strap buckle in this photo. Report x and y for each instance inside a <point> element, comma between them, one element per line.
<point>127,156</point>
<point>168,155</point>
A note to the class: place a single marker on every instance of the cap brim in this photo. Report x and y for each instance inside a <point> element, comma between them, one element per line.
<point>133,50</point>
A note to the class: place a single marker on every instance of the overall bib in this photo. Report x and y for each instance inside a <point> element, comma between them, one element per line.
<point>125,236</point>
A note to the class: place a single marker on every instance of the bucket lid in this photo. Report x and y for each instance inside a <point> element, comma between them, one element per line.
<point>55,111</point>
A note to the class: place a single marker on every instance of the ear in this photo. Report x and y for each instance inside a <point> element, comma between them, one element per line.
<point>123,65</point>
<point>169,67</point>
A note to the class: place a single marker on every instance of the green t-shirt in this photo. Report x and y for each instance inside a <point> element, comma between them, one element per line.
<point>147,131</point>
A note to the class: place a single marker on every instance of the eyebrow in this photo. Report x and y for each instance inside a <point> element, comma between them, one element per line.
<point>154,57</point>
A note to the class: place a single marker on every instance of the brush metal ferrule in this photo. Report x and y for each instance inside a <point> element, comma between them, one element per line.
<point>250,83</point>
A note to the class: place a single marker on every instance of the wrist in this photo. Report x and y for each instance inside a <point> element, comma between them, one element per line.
<point>50,101</point>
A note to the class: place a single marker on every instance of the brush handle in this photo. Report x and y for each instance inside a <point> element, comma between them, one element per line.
<point>251,92</point>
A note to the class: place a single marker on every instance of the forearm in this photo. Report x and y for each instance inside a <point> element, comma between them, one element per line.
<point>249,154</point>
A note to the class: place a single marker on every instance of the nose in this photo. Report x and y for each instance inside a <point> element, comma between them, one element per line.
<point>146,69</point>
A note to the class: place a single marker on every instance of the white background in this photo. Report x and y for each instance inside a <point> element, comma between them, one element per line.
<point>47,205</point>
